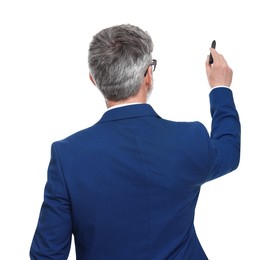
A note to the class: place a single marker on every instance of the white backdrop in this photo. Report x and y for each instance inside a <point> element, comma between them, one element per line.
<point>45,95</point>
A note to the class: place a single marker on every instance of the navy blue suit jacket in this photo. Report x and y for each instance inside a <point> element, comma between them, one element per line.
<point>127,187</point>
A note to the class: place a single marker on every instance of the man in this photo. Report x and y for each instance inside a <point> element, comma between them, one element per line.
<point>127,187</point>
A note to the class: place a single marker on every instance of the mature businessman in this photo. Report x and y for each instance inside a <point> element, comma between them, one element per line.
<point>127,187</point>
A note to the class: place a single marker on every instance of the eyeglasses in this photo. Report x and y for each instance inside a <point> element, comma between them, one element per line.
<point>153,64</point>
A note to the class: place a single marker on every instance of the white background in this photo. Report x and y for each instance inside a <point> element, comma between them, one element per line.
<point>46,95</point>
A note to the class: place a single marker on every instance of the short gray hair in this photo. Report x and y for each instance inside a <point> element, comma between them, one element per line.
<point>118,58</point>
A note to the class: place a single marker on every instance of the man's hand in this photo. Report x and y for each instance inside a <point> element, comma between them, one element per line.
<point>219,73</point>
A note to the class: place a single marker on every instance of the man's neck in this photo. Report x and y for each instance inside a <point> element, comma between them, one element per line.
<point>140,97</point>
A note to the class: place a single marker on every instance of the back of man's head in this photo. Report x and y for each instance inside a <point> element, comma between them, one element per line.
<point>118,59</point>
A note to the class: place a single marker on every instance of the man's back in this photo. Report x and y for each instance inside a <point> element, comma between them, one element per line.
<point>132,182</point>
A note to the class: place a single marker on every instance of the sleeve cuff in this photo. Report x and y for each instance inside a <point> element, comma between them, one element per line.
<point>219,87</point>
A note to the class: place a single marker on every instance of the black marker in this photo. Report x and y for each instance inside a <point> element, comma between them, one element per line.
<point>213,46</point>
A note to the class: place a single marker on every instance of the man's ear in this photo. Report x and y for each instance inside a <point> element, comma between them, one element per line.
<point>149,77</point>
<point>91,78</point>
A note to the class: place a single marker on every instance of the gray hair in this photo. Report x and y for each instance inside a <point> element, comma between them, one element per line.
<point>118,58</point>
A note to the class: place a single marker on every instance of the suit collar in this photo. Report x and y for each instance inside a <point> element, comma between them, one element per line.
<point>129,111</point>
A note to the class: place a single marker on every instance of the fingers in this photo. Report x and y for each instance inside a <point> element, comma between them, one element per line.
<point>218,58</point>
<point>215,55</point>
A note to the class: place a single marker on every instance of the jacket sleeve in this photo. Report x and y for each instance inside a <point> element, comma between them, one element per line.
<point>225,134</point>
<point>52,238</point>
